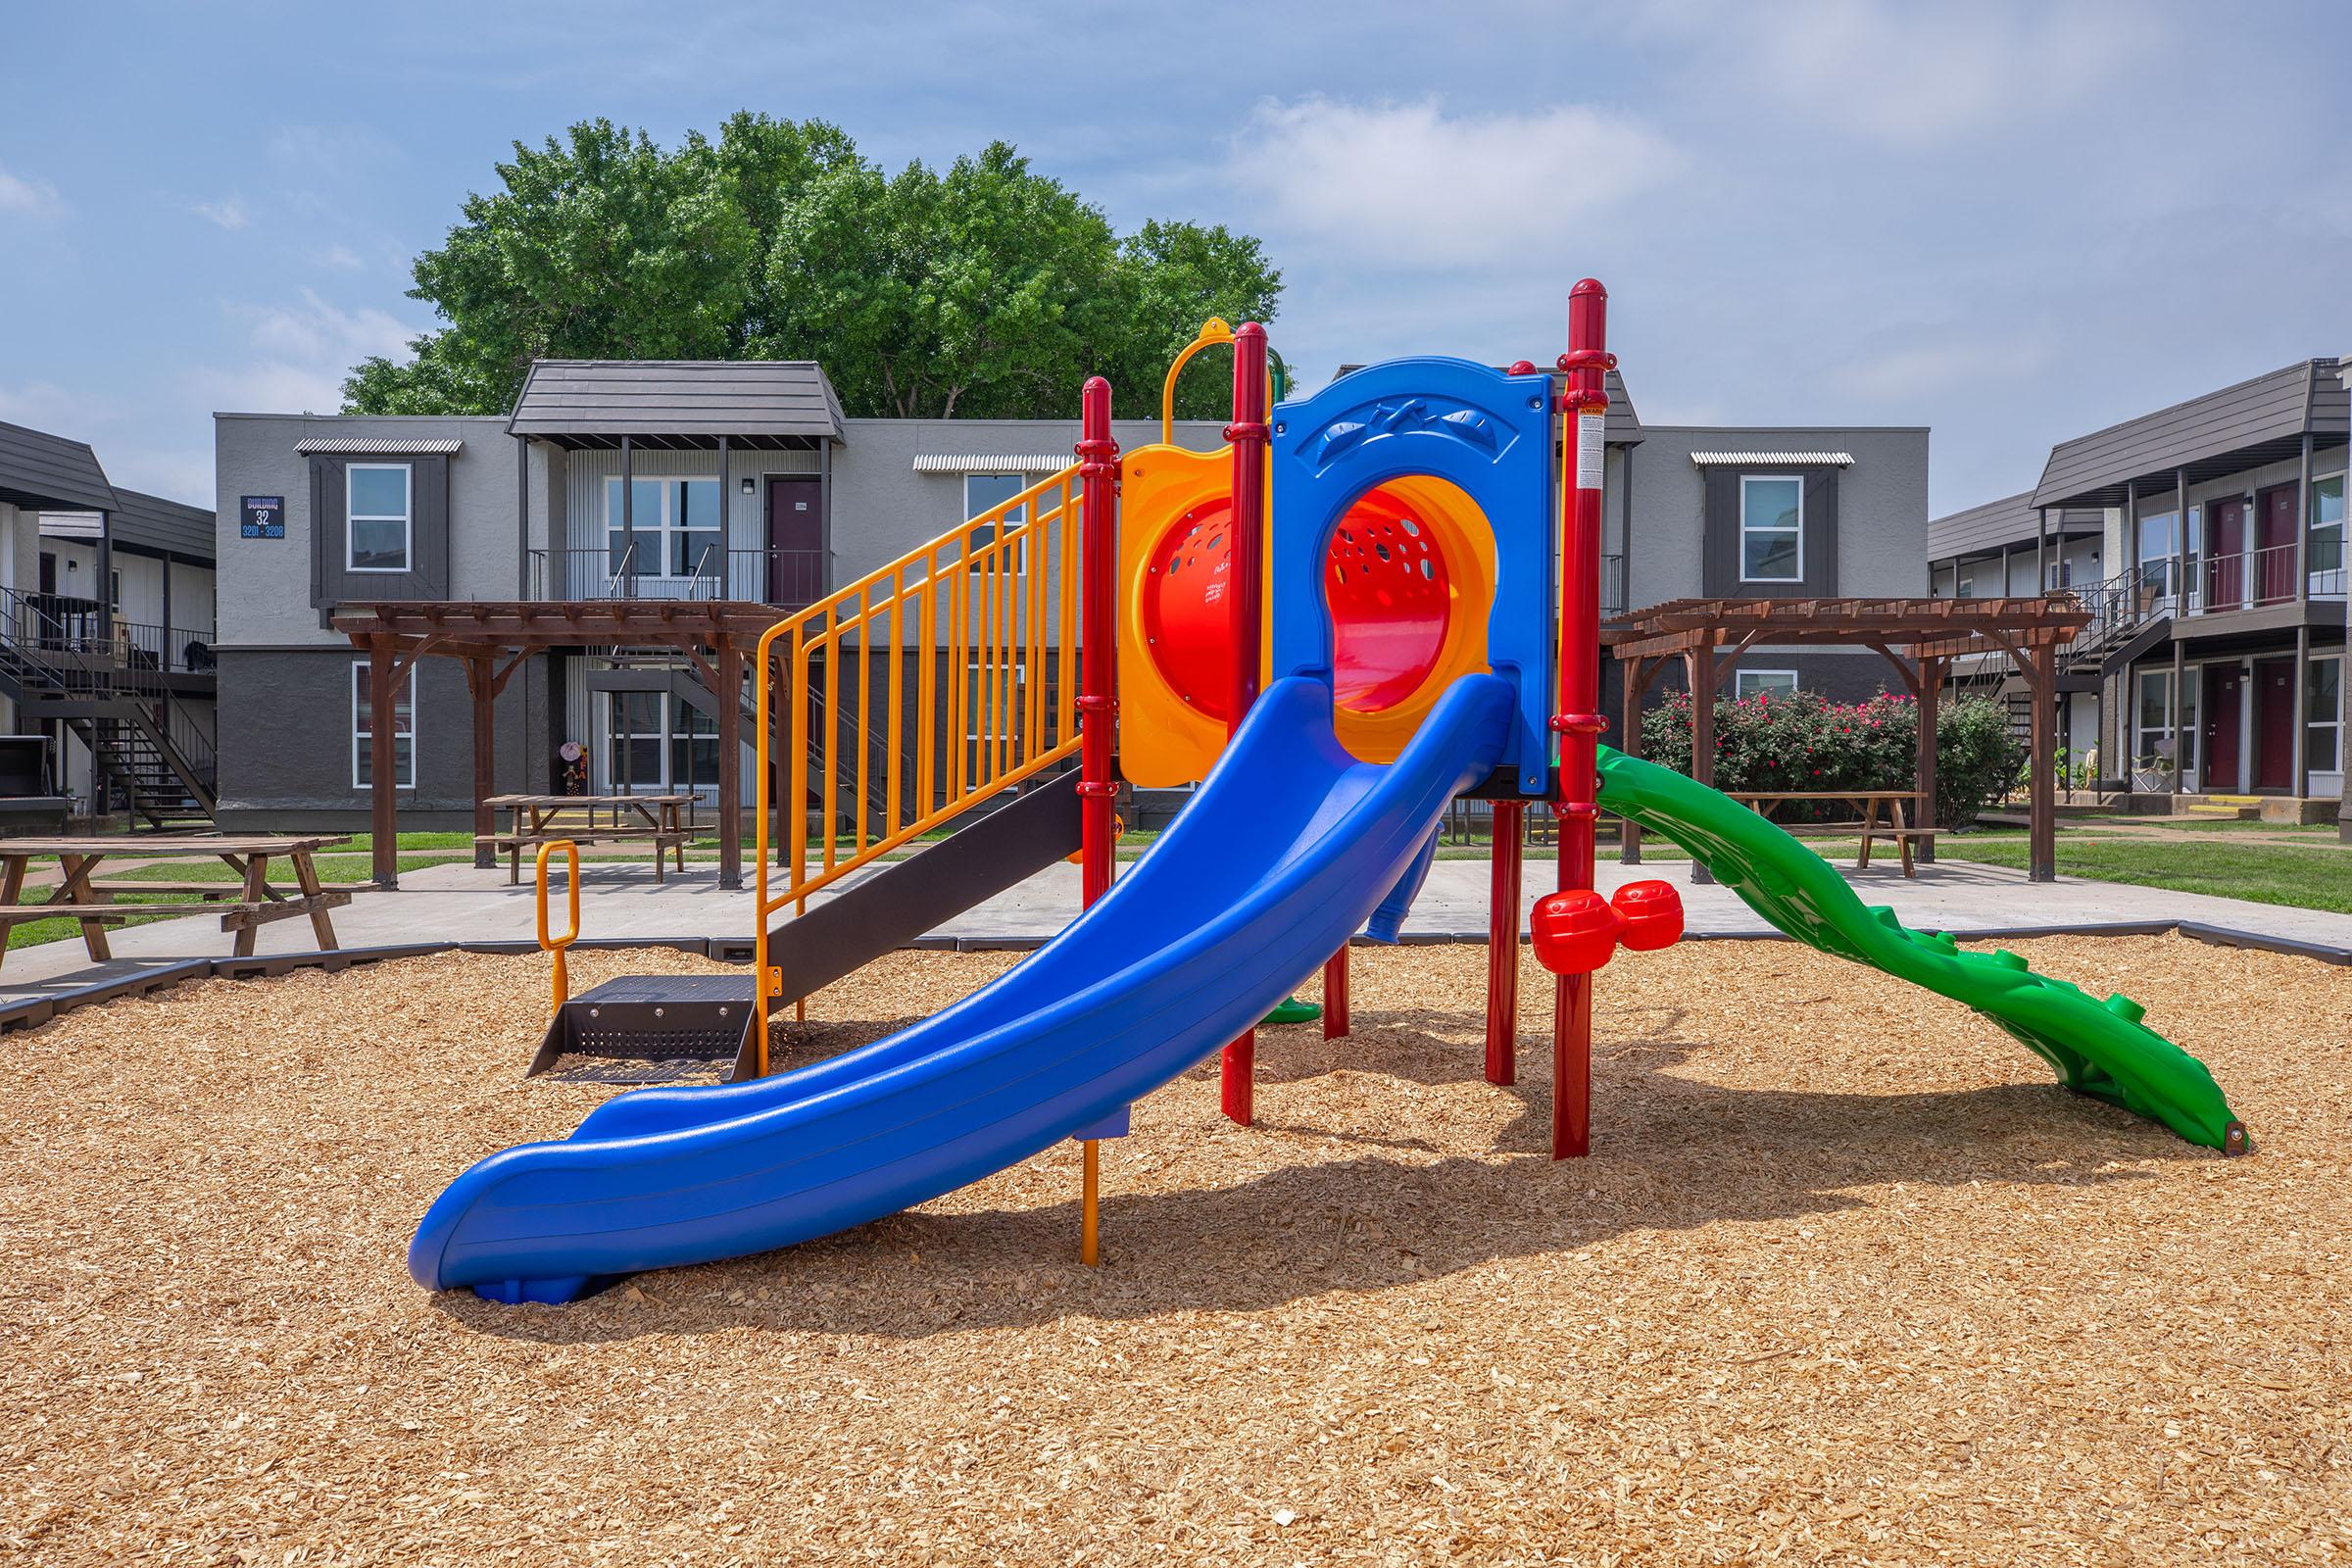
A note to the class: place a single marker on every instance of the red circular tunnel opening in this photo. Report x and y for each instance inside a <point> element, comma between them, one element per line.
<point>1385,585</point>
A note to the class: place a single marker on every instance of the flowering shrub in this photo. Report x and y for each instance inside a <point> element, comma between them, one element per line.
<point>1802,741</point>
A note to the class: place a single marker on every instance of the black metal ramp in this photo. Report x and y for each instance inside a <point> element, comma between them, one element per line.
<point>906,899</point>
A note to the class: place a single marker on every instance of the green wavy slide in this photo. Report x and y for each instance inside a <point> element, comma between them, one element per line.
<point>2100,1047</point>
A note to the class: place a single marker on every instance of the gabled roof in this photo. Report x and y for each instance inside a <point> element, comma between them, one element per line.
<point>677,403</point>
<point>40,469</point>
<point>2010,520</point>
<point>153,522</point>
<point>2258,420</point>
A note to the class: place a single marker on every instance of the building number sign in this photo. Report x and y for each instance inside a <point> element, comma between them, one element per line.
<point>261,518</point>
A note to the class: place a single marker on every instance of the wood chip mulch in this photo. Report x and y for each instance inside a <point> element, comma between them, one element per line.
<point>1847,1280</point>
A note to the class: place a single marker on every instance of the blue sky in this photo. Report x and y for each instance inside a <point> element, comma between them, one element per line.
<point>2011,222</point>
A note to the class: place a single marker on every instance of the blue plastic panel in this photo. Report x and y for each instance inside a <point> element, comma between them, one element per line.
<point>1486,432</point>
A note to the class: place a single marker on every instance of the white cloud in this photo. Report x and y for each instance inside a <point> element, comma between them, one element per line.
<point>1408,183</point>
<point>1911,73</point>
<point>342,256</point>
<point>25,197</point>
<point>46,406</point>
<point>299,354</point>
<point>228,213</point>
<point>1932,363</point>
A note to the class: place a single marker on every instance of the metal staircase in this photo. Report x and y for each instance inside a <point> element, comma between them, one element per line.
<point>2131,613</point>
<point>143,740</point>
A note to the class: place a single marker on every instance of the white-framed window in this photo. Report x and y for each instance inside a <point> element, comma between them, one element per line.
<point>363,720</point>
<point>2324,714</point>
<point>1763,682</point>
<point>656,743</point>
<point>1772,528</point>
<point>2323,553</point>
<point>114,592</point>
<point>380,513</point>
<point>983,491</point>
<point>2157,748</point>
<point>675,528</point>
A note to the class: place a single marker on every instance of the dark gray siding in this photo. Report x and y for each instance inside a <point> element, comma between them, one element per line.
<point>735,398</point>
<point>428,534</point>
<point>2271,408</point>
<point>1820,551</point>
<point>152,522</point>
<point>40,469</point>
<point>285,742</point>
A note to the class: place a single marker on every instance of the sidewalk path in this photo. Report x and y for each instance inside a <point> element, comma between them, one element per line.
<point>458,903</point>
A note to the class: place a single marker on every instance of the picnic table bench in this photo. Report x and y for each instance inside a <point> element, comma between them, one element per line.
<point>665,821</point>
<point>244,905</point>
<point>1895,830</point>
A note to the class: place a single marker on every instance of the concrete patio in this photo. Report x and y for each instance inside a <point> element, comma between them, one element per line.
<point>620,902</point>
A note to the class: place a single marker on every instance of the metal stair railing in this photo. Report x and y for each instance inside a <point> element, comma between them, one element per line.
<point>988,614</point>
<point>46,658</point>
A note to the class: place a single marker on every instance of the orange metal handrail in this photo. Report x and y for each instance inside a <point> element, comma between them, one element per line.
<point>988,614</point>
<point>571,886</point>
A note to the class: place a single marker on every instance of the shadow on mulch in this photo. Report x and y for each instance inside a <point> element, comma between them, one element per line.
<point>1671,1154</point>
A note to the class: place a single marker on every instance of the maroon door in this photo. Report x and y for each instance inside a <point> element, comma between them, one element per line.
<point>2273,724</point>
<point>2218,774</point>
<point>796,539</point>
<point>2226,553</point>
<point>2274,544</point>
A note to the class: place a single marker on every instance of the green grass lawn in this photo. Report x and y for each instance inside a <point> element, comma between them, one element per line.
<point>2314,876</point>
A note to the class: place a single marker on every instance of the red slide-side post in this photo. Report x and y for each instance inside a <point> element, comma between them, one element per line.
<point>1579,721</point>
<point>1244,593</point>
<point>1098,637</point>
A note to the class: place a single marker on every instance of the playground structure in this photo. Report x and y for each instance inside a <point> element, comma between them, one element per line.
<point>1338,624</point>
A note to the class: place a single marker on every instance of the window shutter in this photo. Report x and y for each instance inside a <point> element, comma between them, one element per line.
<point>1821,533</point>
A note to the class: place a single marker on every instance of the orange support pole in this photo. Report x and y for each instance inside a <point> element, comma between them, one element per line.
<point>1502,945</point>
<point>1244,598</point>
<point>1579,721</point>
<point>555,944</point>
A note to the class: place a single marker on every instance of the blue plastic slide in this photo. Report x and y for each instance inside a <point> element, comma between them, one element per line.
<point>1278,858</point>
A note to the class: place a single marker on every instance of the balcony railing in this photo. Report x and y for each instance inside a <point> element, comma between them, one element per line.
<point>2249,580</point>
<point>786,579</point>
<point>1612,585</point>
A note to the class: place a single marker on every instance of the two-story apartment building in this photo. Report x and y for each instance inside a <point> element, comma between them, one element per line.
<point>730,480</point>
<point>2208,540</point>
<point>106,630</point>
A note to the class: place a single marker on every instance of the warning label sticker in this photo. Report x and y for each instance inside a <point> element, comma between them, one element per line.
<point>1589,451</point>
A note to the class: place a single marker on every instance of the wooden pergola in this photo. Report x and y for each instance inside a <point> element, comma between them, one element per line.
<point>1919,637</point>
<point>495,639</point>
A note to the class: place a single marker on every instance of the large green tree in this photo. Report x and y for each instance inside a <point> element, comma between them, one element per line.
<point>986,290</point>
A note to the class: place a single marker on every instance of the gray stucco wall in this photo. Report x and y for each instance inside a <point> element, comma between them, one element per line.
<point>285,727</point>
<point>1882,505</point>
<point>265,584</point>
<point>882,508</point>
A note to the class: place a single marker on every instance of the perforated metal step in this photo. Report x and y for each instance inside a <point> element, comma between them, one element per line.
<point>656,1020</point>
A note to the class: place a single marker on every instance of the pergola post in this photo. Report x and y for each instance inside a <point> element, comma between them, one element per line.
<point>384,803</point>
<point>730,766</point>
<point>481,688</point>
<point>1930,701</point>
<point>1703,676</point>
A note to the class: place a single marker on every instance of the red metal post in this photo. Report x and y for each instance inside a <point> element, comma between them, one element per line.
<point>1245,593</point>
<point>1579,721</point>
<point>1335,994</point>
<point>1098,637</point>
<point>1502,945</point>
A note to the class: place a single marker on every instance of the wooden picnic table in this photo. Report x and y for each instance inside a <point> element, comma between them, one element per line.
<point>1897,830</point>
<point>245,905</point>
<point>665,821</point>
